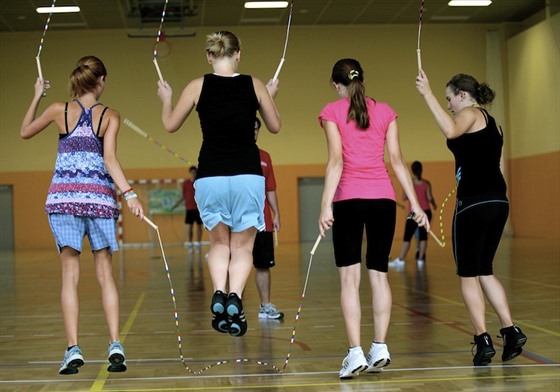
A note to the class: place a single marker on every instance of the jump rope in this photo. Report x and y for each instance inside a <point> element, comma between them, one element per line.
<point>38,57</point>
<point>238,360</point>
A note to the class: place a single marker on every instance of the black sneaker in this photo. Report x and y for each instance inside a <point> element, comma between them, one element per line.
<point>514,340</point>
<point>219,316</point>
<point>235,315</point>
<point>484,350</point>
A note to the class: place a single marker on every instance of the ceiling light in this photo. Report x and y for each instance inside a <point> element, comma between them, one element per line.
<point>57,10</point>
<point>469,3</point>
<point>266,4</point>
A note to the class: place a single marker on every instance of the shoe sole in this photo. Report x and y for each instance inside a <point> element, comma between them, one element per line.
<point>267,317</point>
<point>219,318</point>
<point>354,373</point>
<point>485,359</point>
<point>72,367</point>
<point>116,363</point>
<point>517,350</point>
<point>236,319</point>
<point>378,366</point>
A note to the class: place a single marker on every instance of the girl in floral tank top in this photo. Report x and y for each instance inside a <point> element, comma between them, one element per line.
<point>82,199</point>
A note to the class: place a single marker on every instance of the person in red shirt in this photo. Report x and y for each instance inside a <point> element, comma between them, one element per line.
<point>192,215</point>
<point>263,250</point>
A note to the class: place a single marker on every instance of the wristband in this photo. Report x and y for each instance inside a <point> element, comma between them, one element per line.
<point>130,195</point>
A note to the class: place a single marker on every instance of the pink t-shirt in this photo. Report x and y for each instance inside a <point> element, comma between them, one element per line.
<point>364,174</point>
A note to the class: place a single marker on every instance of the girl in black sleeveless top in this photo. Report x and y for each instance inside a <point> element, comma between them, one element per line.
<point>482,206</point>
<point>229,188</point>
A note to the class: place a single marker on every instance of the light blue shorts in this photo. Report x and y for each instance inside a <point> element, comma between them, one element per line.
<point>70,230</point>
<point>236,201</point>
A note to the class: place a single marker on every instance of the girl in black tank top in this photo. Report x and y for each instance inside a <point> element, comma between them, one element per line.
<point>229,188</point>
<point>482,207</point>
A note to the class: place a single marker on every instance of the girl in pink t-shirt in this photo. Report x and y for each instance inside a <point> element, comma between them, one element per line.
<point>358,193</point>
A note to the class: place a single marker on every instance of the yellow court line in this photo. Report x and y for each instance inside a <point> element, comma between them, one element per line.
<point>103,374</point>
<point>348,383</point>
<point>523,323</point>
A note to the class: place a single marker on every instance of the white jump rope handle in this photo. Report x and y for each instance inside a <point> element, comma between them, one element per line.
<point>154,226</point>
<point>316,244</point>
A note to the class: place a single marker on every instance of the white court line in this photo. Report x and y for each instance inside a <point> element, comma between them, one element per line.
<point>262,375</point>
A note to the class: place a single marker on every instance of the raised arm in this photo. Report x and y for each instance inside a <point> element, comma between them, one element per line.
<point>451,127</point>
<point>403,175</point>
<point>112,163</point>
<point>31,126</point>
<point>332,175</point>
<point>267,109</point>
<point>174,117</point>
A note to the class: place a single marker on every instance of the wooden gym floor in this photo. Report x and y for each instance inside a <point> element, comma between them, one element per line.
<point>429,337</point>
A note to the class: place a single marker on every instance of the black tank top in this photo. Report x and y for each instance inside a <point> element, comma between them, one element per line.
<point>477,161</point>
<point>227,109</point>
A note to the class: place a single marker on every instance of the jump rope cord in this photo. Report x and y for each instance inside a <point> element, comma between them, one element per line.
<point>158,37</point>
<point>420,17</point>
<point>45,30</point>
<point>441,214</point>
<point>239,360</point>
<point>141,132</point>
<point>285,42</point>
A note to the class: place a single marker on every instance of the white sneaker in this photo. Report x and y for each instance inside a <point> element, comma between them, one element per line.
<point>353,364</point>
<point>377,358</point>
<point>397,264</point>
<point>420,263</point>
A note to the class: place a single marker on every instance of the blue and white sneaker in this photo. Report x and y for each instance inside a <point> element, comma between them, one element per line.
<point>73,360</point>
<point>117,361</point>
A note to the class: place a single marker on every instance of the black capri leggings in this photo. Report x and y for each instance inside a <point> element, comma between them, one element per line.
<point>350,216</point>
<point>478,225</point>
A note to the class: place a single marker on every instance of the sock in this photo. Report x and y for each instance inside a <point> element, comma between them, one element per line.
<point>351,349</point>
<point>70,348</point>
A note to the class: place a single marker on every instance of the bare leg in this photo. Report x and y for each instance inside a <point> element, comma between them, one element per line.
<point>350,302</point>
<point>241,264</point>
<point>70,260</point>
<point>382,301</point>
<point>404,249</point>
<point>109,293</point>
<point>262,278</point>
<point>496,295</point>
<point>423,245</point>
<point>475,303</point>
<point>218,256</point>
<point>198,233</point>
<point>189,233</point>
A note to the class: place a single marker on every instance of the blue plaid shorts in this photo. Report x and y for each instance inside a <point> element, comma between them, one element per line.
<point>70,230</point>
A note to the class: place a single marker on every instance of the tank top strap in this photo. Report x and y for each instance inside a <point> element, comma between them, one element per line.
<point>485,114</point>
<point>101,119</point>
<point>66,117</point>
<point>79,103</point>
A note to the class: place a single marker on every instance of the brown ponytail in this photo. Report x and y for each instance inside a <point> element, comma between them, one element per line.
<point>349,73</point>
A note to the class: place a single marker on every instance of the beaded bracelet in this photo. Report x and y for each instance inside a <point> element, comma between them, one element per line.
<point>130,195</point>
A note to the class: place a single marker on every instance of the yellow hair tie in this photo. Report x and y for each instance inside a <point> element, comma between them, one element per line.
<point>353,74</point>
